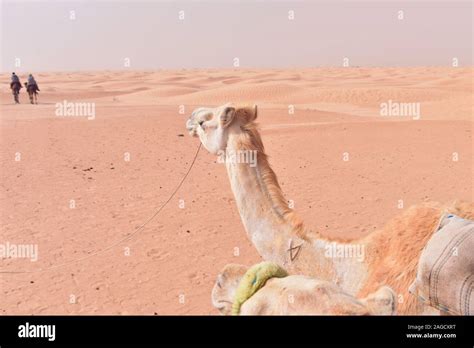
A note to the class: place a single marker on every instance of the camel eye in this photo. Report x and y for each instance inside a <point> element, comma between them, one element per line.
<point>219,281</point>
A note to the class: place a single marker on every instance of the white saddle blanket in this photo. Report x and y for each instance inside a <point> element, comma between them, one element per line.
<point>445,277</point>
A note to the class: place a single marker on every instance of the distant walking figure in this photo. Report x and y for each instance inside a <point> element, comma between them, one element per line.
<point>15,86</point>
<point>32,89</point>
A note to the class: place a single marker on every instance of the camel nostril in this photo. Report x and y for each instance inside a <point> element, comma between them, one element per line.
<point>189,125</point>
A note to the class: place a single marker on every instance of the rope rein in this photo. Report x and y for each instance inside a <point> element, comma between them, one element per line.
<point>141,227</point>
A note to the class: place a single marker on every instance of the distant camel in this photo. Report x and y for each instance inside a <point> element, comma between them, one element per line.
<point>32,92</point>
<point>266,289</point>
<point>388,256</point>
<point>15,87</point>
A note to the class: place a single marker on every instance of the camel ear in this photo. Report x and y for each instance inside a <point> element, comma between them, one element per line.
<point>247,114</point>
<point>227,116</point>
<point>381,302</point>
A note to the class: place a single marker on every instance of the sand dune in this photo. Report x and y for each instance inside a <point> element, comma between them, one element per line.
<point>180,252</point>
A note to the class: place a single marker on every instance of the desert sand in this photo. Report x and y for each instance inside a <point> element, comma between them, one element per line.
<point>169,267</point>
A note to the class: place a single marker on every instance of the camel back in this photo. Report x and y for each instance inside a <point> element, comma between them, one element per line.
<point>31,88</point>
<point>15,86</point>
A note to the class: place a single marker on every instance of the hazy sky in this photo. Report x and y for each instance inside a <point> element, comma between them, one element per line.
<point>150,33</point>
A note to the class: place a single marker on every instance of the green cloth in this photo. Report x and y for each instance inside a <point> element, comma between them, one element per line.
<point>253,280</point>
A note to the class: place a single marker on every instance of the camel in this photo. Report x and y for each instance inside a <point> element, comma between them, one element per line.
<point>387,256</point>
<point>32,92</point>
<point>15,87</point>
<point>277,293</point>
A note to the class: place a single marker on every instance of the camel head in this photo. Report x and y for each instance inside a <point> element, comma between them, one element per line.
<point>213,125</point>
<point>224,289</point>
<point>311,296</point>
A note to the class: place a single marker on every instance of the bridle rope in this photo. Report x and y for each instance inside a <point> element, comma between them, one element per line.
<point>129,236</point>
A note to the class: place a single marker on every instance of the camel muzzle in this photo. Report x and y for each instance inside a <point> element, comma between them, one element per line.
<point>191,126</point>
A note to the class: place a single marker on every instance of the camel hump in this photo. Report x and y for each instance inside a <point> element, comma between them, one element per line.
<point>445,276</point>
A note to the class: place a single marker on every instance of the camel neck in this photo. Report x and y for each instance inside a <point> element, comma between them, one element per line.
<point>262,211</point>
<point>273,227</point>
